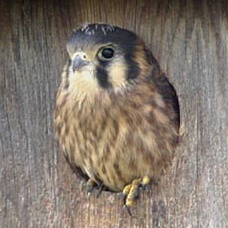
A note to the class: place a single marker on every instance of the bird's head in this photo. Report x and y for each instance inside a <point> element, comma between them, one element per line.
<point>105,58</point>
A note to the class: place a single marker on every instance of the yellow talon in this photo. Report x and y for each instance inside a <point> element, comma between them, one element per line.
<point>127,189</point>
<point>132,195</point>
<point>145,181</point>
<point>131,191</point>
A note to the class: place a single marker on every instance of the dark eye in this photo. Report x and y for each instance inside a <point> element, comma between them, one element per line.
<point>106,53</point>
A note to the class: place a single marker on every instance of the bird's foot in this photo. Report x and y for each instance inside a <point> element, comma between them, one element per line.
<point>90,185</point>
<point>131,191</point>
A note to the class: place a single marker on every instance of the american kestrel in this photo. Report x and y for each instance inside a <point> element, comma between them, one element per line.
<point>117,115</point>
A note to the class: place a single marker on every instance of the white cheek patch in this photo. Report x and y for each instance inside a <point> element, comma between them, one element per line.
<point>117,73</point>
<point>83,81</point>
<point>84,75</point>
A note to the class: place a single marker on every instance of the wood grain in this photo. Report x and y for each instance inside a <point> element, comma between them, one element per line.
<point>37,187</point>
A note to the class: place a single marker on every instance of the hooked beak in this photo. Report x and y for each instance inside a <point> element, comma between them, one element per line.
<point>78,62</point>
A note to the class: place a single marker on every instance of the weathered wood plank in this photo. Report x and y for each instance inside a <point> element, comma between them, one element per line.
<point>38,189</point>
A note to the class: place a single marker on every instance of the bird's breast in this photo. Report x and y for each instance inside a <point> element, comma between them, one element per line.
<point>113,144</point>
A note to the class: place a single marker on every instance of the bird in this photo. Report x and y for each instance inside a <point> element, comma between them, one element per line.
<point>116,115</point>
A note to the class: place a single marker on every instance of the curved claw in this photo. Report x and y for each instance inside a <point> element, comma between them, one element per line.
<point>128,210</point>
<point>100,189</point>
<point>90,185</point>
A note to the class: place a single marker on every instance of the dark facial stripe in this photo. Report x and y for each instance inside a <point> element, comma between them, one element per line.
<point>66,81</point>
<point>68,66</point>
<point>102,77</point>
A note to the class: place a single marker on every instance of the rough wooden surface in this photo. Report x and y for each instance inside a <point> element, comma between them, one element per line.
<point>37,187</point>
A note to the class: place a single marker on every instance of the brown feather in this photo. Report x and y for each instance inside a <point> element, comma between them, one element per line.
<point>115,137</point>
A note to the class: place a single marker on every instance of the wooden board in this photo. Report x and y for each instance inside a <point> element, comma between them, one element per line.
<point>37,187</point>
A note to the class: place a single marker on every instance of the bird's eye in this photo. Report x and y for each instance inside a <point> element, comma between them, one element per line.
<point>106,53</point>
